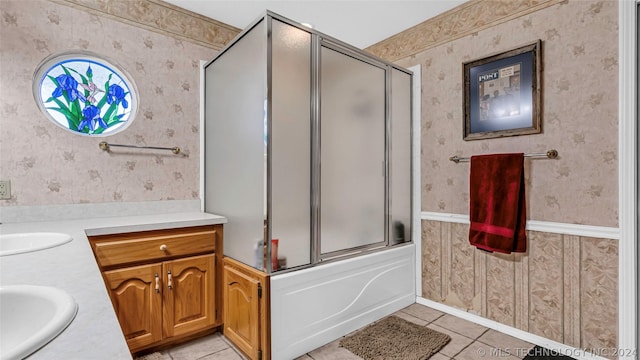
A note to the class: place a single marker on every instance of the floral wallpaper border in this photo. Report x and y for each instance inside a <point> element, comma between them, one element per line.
<point>161,17</point>
<point>463,20</point>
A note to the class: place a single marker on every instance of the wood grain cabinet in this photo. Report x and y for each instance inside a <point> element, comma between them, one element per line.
<point>164,285</point>
<point>246,304</point>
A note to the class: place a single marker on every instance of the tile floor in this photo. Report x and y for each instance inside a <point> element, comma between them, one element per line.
<point>469,341</point>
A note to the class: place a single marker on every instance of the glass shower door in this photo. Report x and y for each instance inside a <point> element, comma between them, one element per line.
<point>352,152</point>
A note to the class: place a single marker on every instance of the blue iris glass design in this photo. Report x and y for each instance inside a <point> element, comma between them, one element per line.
<point>67,84</point>
<point>86,96</point>
<point>91,118</point>
<point>117,94</point>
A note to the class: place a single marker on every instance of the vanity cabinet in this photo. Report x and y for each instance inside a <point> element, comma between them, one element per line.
<point>246,305</point>
<point>163,284</point>
<point>136,303</point>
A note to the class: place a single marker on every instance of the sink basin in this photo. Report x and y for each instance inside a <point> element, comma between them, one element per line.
<point>26,242</point>
<point>30,317</point>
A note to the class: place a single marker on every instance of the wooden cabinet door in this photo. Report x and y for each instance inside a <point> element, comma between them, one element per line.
<point>242,310</point>
<point>189,295</point>
<point>137,303</point>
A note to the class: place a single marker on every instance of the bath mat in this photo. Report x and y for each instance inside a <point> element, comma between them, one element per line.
<point>540,353</point>
<point>393,338</point>
<point>152,356</point>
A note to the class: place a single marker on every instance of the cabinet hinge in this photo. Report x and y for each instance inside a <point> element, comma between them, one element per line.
<point>259,354</point>
<point>259,291</point>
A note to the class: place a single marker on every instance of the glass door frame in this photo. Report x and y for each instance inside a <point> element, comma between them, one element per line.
<point>317,255</point>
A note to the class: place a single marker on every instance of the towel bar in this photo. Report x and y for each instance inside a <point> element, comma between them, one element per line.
<point>105,146</point>
<point>550,154</point>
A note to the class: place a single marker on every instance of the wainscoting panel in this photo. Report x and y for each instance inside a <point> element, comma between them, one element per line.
<point>563,289</point>
<point>571,290</point>
<point>598,293</point>
<point>500,278</point>
<point>461,272</point>
<point>546,288</point>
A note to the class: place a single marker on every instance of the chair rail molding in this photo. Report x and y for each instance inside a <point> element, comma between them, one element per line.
<point>601,232</point>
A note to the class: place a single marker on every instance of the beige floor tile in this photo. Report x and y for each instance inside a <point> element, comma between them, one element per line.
<point>490,344</point>
<point>410,318</point>
<point>304,357</point>
<point>199,348</point>
<point>461,326</point>
<point>457,343</point>
<point>438,356</point>
<point>480,351</point>
<point>506,343</point>
<point>226,354</point>
<point>158,355</point>
<point>333,351</point>
<point>422,312</point>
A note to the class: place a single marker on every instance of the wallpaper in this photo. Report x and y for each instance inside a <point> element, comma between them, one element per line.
<point>579,114</point>
<point>48,165</point>
<point>564,288</point>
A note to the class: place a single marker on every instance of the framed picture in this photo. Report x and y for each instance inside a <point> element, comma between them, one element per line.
<point>502,94</point>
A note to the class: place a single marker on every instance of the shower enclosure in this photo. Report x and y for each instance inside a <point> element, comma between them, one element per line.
<point>307,147</point>
<point>308,154</point>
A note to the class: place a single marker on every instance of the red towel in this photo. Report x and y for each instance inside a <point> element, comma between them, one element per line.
<point>497,203</point>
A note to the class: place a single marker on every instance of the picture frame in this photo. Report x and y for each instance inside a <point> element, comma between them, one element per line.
<point>502,94</point>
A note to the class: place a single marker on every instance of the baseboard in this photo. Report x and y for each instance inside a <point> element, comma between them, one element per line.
<point>516,333</point>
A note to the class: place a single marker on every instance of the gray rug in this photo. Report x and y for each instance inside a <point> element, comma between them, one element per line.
<point>393,338</point>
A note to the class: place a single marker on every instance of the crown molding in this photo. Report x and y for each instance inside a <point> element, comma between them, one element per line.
<point>161,17</point>
<point>463,20</point>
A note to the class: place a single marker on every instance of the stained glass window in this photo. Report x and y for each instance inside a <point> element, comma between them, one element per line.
<point>85,94</point>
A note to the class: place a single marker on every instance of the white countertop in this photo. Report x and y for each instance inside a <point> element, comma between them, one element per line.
<point>95,332</point>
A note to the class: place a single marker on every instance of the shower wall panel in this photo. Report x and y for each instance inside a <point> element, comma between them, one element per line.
<point>234,147</point>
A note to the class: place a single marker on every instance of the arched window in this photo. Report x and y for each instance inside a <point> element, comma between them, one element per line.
<point>85,94</point>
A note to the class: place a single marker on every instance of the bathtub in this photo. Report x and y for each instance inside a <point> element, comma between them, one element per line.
<point>314,306</point>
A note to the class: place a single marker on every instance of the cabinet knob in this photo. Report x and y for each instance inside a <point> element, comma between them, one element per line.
<point>163,247</point>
